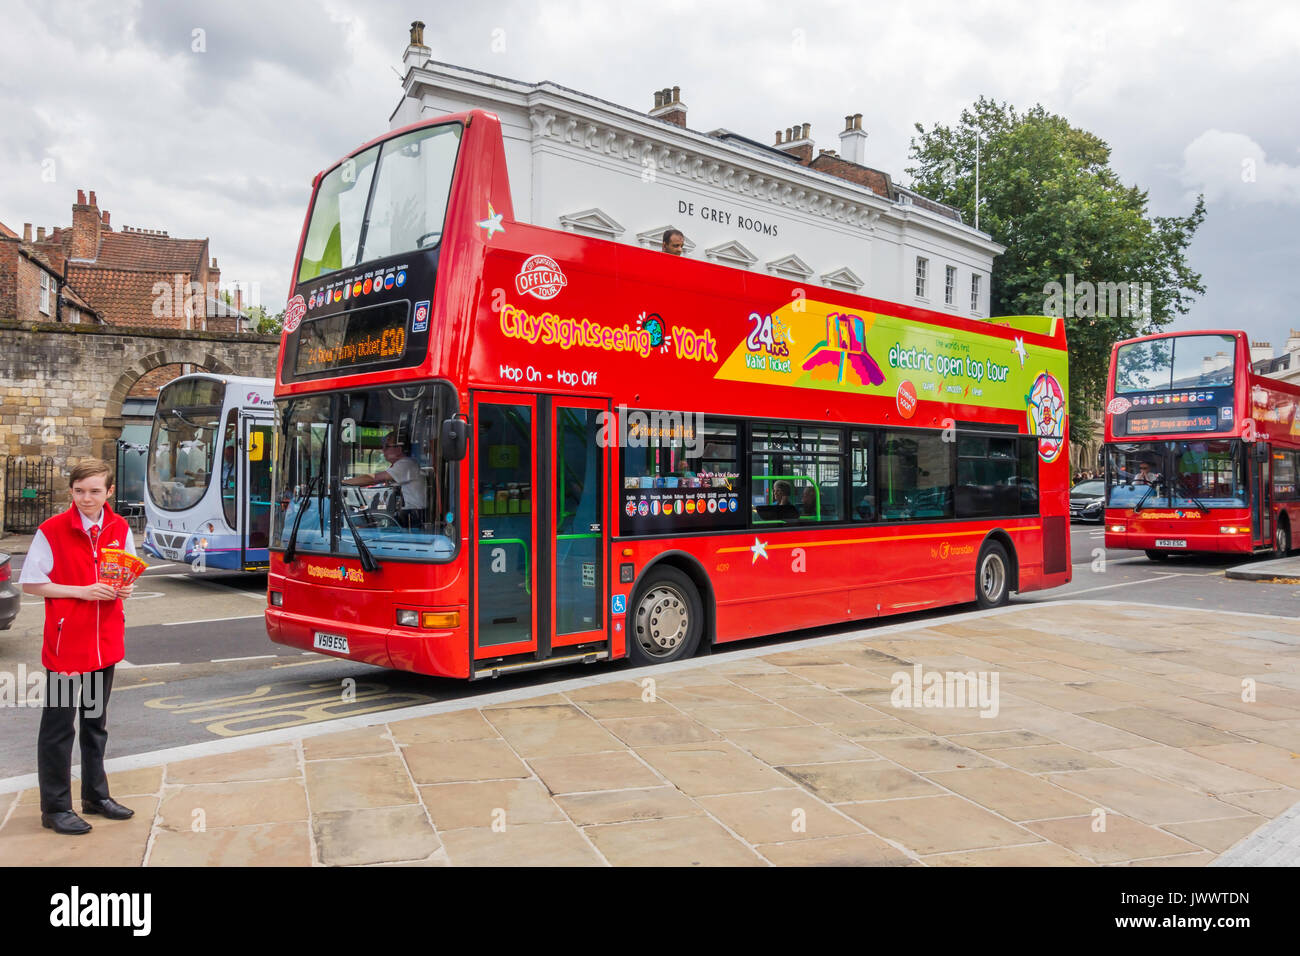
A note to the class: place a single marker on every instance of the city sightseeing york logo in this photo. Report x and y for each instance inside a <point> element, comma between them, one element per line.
<point>540,277</point>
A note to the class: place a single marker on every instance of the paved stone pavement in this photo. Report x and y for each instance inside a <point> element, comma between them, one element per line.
<point>1120,737</point>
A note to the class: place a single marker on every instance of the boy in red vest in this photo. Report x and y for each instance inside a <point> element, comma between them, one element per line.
<point>85,628</point>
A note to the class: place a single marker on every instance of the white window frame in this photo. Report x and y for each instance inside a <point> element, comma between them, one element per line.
<point>922,274</point>
<point>949,284</point>
<point>47,286</point>
<point>975,292</point>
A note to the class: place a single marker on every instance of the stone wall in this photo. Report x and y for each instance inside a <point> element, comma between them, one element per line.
<point>63,385</point>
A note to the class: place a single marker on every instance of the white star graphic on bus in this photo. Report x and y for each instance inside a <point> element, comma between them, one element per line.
<point>759,550</point>
<point>492,223</point>
<point>1020,349</point>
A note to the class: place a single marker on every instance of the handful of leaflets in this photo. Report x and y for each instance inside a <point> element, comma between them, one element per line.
<point>119,568</point>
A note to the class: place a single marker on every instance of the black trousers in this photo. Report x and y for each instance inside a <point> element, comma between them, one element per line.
<point>67,697</point>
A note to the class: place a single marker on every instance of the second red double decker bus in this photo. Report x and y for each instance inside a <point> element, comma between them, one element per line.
<point>1201,453</point>
<point>502,447</point>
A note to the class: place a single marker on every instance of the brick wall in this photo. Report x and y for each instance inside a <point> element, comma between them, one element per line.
<point>9,278</point>
<point>147,385</point>
<point>873,179</point>
<point>63,385</point>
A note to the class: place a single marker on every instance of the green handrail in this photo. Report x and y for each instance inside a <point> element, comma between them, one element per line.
<point>522,543</point>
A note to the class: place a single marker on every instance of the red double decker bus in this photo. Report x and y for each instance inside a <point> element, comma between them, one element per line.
<point>502,447</point>
<point>1201,453</point>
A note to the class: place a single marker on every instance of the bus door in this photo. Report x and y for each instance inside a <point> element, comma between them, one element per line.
<point>505,572</point>
<point>1261,511</point>
<point>254,492</point>
<point>577,524</point>
<point>540,526</point>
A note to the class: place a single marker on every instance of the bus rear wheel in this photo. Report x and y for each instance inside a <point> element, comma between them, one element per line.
<point>992,576</point>
<point>667,618</point>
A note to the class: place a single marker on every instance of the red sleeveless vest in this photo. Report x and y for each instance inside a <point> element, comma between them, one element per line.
<point>82,636</point>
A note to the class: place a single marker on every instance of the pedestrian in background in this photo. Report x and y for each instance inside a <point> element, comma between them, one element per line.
<point>673,242</point>
<point>85,631</point>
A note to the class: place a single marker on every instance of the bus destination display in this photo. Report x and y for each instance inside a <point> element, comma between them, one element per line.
<point>1153,422</point>
<point>350,339</point>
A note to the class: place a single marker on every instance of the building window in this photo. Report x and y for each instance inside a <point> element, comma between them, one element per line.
<point>974,293</point>
<point>922,267</point>
<point>47,289</point>
<point>949,283</point>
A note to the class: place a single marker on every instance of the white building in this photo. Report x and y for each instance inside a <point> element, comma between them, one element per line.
<point>1285,366</point>
<point>582,164</point>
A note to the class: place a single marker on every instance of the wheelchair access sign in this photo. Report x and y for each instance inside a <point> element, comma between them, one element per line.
<point>618,604</point>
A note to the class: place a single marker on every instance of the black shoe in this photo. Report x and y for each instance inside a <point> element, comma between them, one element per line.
<point>107,807</point>
<point>65,821</point>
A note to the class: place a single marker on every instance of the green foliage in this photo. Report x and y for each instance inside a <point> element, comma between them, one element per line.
<point>1048,194</point>
<point>268,324</point>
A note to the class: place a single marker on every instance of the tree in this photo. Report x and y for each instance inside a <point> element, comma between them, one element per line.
<point>1048,194</point>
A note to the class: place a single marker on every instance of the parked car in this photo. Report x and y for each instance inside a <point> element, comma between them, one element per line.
<point>11,596</point>
<point>1088,501</point>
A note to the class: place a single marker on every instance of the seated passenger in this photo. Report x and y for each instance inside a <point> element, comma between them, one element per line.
<point>808,506</point>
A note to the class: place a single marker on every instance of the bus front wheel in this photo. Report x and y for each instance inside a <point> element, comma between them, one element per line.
<point>1282,539</point>
<point>1153,555</point>
<point>992,576</point>
<point>667,618</point>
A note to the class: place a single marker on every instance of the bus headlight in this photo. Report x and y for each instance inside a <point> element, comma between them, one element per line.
<point>408,618</point>
<point>277,598</point>
<point>1116,528</point>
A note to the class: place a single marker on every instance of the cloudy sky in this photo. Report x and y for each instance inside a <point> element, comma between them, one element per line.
<point>210,118</point>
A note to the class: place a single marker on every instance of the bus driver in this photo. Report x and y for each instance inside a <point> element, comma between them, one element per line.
<point>405,473</point>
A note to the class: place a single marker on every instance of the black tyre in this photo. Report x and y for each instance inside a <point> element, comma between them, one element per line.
<point>992,576</point>
<point>1157,555</point>
<point>1282,539</point>
<point>666,618</point>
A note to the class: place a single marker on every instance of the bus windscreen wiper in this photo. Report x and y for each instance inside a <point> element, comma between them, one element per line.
<point>1187,490</point>
<point>368,561</point>
<point>291,549</point>
<point>1138,507</point>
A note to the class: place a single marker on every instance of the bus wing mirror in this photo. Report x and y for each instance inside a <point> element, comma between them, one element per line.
<point>454,434</point>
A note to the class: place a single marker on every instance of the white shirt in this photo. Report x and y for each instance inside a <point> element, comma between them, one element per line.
<point>40,557</point>
<point>406,473</point>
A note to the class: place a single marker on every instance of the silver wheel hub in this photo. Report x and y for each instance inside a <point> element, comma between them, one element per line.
<point>662,620</point>
<point>993,577</point>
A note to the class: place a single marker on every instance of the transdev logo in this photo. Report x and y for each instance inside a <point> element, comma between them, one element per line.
<point>294,310</point>
<point>1118,406</point>
<point>540,277</point>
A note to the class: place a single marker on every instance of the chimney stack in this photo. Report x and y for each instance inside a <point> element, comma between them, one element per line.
<point>27,232</point>
<point>798,142</point>
<point>417,54</point>
<point>103,220</point>
<point>669,106</point>
<point>85,228</point>
<point>40,233</point>
<point>1260,351</point>
<point>853,141</point>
